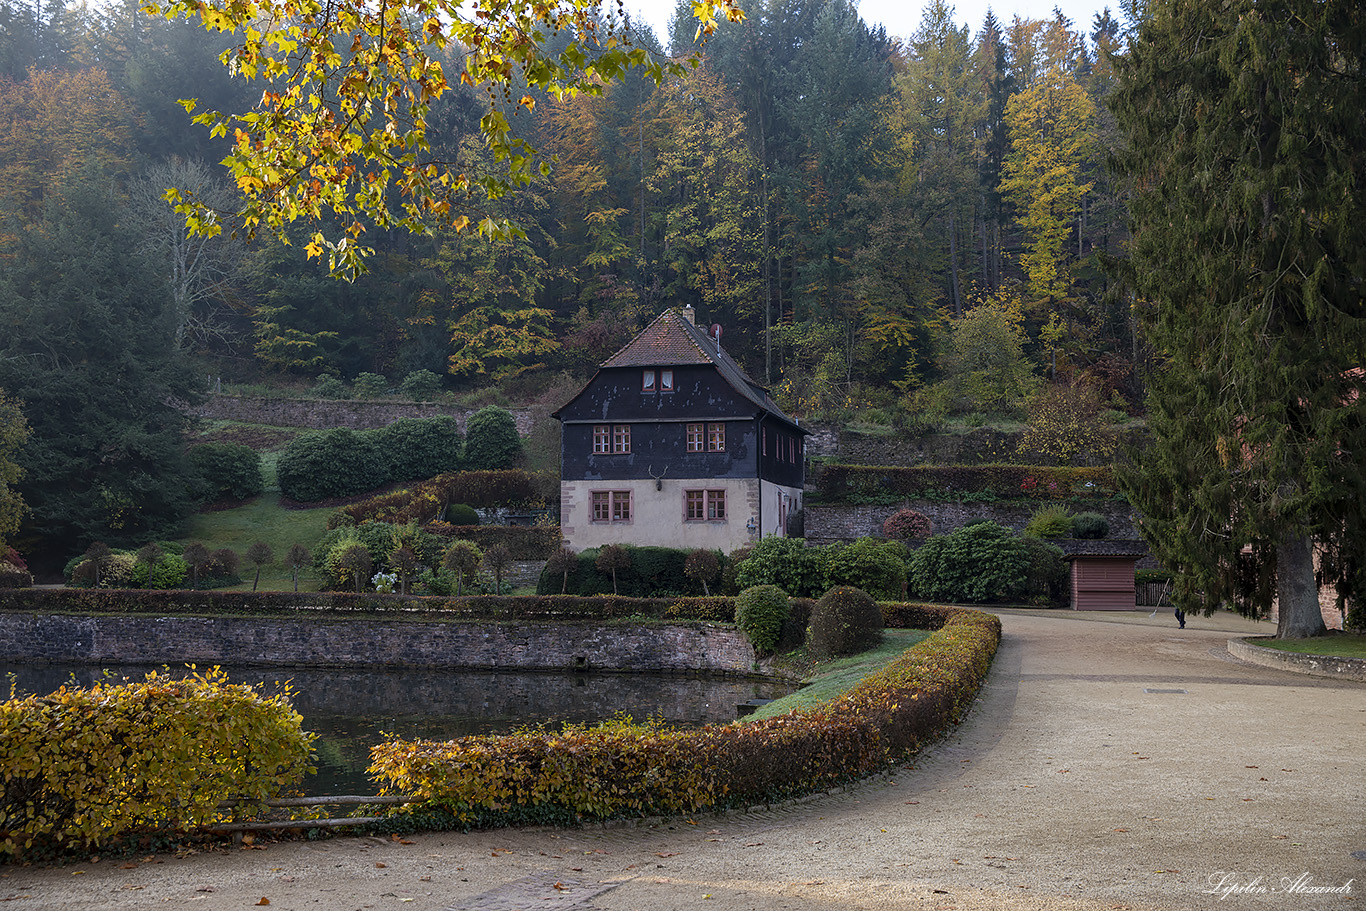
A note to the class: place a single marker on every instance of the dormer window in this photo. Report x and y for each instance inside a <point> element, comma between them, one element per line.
<point>666,381</point>
<point>647,381</point>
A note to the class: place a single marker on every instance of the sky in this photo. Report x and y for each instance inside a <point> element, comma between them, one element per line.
<point>901,17</point>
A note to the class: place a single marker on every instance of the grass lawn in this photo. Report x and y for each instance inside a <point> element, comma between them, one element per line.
<point>1349,645</point>
<point>831,679</point>
<point>262,519</point>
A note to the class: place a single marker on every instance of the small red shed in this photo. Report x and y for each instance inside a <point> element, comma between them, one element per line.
<point>1103,573</point>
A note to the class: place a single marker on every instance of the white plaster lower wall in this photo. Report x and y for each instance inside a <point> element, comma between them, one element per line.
<point>778,503</point>
<point>657,516</point>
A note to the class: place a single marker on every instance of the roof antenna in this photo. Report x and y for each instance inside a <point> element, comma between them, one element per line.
<point>716,334</point>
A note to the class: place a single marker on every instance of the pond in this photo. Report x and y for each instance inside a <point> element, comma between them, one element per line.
<point>351,710</point>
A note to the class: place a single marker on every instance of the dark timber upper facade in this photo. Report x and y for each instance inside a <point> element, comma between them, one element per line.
<point>672,444</point>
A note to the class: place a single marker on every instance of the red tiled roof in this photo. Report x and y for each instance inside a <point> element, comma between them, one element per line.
<point>664,343</point>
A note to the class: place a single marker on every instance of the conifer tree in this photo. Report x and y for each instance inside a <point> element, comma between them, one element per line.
<point>1246,152</point>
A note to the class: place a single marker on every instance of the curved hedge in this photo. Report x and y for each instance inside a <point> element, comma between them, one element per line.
<point>84,767</point>
<point>622,769</point>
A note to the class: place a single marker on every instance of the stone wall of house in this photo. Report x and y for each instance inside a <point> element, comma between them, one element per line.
<point>319,642</point>
<point>324,414</point>
<point>825,524</point>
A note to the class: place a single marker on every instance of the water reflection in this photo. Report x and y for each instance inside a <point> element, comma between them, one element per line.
<point>351,710</point>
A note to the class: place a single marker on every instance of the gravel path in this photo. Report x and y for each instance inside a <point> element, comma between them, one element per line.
<point>1112,762</point>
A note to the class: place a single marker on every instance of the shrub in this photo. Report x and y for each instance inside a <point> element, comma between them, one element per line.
<point>561,563</point>
<point>351,563</point>
<point>611,559</point>
<point>979,563</point>
<point>369,385</point>
<point>652,572</point>
<point>421,385</point>
<point>461,514</point>
<point>491,440</point>
<point>221,568</point>
<point>907,525</point>
<point>760,612</point>
<point>168,572</point>
<point>1046,572</point>
<point>419,448</point>
<point>226,471</point>
<point>259,554</point>
<point>703,566</point>
<point>426,501</point>
<point>845,621</point>
<point>787,563</point>
<point>496,560</point>
<point>329,387</point>
<point>324,464</point>
<point>877,567</point>
<point>13,576</point>
<point>297,558</point>
<point>1049,522</point>
<point>85,767</point>
<point>1090,525</point>
<point>462,560</point>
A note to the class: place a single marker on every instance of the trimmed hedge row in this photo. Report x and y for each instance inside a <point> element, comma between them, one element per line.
<point>623,769</point>
<point>427,607</point>
<point>84,767</point>
<point>427,501</point>
<point>839,483</point>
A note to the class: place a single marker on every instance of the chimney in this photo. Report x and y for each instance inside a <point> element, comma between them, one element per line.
<point>690,314</point>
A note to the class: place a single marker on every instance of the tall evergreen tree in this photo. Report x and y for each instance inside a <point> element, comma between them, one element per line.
<point>1246,153</point>
<point>88,344</point>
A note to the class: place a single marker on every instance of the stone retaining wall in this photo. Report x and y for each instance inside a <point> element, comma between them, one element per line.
<point>105,639</point>
<point>1312,665</point>
<point>324,414</point>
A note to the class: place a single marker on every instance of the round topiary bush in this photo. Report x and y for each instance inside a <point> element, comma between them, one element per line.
<point>461,514</point>
<point>906,525</point>
<point>845,621</point>
<point>1090,525</point>
<point>760,612</point>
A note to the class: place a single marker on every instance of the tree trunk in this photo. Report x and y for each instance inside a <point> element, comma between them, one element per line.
<point>1296,591</point>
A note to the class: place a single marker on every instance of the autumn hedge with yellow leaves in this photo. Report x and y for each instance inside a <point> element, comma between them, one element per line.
<point>85,766</point>
<point>627,769</point>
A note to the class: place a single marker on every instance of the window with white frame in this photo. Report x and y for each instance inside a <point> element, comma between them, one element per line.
<point>697,437</point>
<point>716,438</point>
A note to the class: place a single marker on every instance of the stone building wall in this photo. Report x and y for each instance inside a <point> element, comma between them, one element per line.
<point>315,641</point>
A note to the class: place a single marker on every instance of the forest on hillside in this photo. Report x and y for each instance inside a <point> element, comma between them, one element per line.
<point>917,223</point>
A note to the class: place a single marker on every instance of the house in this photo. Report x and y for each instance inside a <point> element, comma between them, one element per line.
<point>671,444</point>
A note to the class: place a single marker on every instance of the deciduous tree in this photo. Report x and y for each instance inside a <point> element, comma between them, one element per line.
<point>342,125</point>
